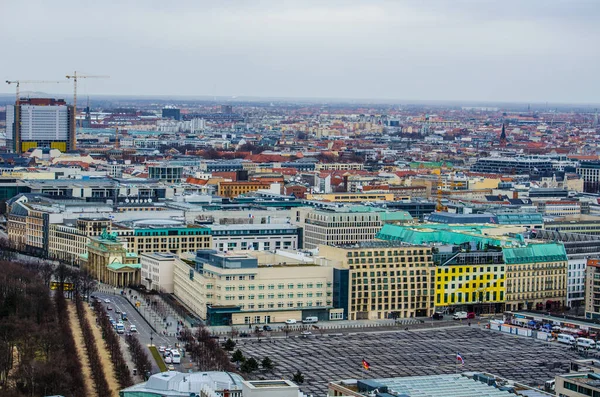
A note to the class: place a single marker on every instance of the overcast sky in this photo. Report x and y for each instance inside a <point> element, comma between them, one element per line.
<point>521,50</point>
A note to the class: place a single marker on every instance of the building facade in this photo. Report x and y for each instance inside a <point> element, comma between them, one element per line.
<point>332,227</point>
<point>381,279</point>
<point>257,237</point>
<point>238,288</point>
<point>109,262</point>
<point>157,271</point>
<point>234,189</point>
<point>42,122</point>
<point>592,288</point>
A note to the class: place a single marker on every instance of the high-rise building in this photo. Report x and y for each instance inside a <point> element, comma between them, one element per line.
<point>227,109</point>
<point>171,113</point>
<point>42,122</point>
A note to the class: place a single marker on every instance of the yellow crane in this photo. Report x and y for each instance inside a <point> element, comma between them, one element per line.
<point>17,83</point>
<point>76,77</point>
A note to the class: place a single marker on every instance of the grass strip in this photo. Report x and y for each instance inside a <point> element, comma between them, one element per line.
<point>158,359</point>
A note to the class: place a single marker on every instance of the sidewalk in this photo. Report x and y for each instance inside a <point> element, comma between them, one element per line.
<point>162,317</point>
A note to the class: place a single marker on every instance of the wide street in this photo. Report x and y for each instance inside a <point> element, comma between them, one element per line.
<point>144,330</point>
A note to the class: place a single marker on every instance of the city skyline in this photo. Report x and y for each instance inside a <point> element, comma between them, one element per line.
<point>488,52</point>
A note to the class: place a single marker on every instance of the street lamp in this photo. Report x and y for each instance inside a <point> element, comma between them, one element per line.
<point>114,290</point>
<point>151,338</point>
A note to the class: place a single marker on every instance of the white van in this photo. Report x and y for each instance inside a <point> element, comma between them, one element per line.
<point>175,356</point>
<point>566,339</point>
<point>585,342</point>
<point>460,316</point>
<point>310,320</point>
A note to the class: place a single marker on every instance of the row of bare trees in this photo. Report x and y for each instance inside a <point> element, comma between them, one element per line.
<point>205,351</point>
<point>113,346</point>
<point>96,367</point>
<point>37,350</point>
<point>138,355</point>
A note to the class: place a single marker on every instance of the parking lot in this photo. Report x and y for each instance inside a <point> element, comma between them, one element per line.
<point>409,353</point>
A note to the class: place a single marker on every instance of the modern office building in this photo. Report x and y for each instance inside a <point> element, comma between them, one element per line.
<point>578,384</point>
<point>470,281</point>
<point>590,172</point>
<point>512,165</point>
<point>157,271</point>
<point>171,113</point>
<point>337,227</point>
<point>40,122</point>
<point>252,287</point>
<point>166,172</point>
<point>257,237</point>
<point>381,279</point>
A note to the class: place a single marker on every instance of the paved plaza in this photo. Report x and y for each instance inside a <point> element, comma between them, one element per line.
<point>409,353</point>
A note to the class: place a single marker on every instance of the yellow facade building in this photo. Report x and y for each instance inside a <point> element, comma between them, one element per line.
<point>475,279</point>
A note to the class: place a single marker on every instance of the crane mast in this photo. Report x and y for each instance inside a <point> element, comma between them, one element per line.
<point>75,77</point>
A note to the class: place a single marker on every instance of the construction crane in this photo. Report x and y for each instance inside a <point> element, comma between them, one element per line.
<point>17,123</point>
<point>76,77</point>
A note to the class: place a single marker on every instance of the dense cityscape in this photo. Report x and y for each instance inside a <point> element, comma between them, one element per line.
<point>241,246</point>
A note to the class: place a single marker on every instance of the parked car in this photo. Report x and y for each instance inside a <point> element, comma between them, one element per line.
<point>438,316</point>
<point>244,335</point>
<point>310,320</point>
<point>267,328</point>
<point>290,321</point>
<point>305,333</point>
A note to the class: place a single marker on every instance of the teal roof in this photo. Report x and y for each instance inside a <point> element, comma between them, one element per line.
<point>513,249</point>
<point>131,255</point>
<point>519,218</point>
<point>550,252</point>
<point>119,266</point>
<point>395,216</point>
<point>441,233</point>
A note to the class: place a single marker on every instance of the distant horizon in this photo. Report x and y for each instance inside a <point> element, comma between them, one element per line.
<point>304,100</point>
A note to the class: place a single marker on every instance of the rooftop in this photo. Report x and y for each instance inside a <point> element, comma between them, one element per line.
<point>176,384</point>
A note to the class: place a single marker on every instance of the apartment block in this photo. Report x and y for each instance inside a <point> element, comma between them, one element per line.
<point>382,279</point>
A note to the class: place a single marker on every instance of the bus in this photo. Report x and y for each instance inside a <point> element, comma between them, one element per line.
<point>124,316</point>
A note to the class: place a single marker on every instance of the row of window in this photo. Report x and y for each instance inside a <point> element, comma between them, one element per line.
<point>279,296</point>
<point>262,287</point>
<point>383,253</point>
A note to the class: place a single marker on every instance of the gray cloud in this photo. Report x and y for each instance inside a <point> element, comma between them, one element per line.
<point>535,50</point>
